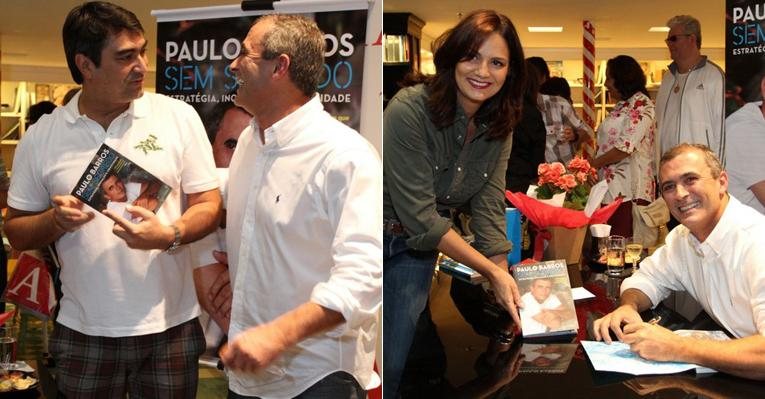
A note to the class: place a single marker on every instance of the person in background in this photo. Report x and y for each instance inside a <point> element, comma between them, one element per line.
<point>128,309</point>
<point>626,142</point>
<point>565,131</point>
<point>304,249</point>
<point>542,70</point>
<point>745,152</point>
<point>447,144</point>
<point>224,125</point>
<point>69,95</point>
<point>690,105</point>
<point>529,137</point>
<point>715,255</point>
<point>557,86</point>
<point>36,111</point>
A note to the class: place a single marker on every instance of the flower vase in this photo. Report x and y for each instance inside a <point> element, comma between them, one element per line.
<point>565,244</point>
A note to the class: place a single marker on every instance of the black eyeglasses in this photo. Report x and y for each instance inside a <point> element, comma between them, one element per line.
<point>675,38</point>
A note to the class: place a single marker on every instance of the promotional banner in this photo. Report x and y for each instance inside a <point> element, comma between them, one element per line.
<point>744,52</point>
<point>194,57</point>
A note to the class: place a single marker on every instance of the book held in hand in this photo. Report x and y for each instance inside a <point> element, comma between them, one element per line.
<point>112,181</point>
<point>548,305</point>
<point>458,270</point>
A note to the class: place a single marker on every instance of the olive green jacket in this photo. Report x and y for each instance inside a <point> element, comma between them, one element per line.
<point>427,170</point>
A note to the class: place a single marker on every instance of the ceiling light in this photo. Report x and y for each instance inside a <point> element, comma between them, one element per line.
<point>658,29</point>
<point>545,29</point>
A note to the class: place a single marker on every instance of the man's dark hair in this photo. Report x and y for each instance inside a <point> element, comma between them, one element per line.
<point>38,110</point>
<point>543,71</point>
<point>557,86</point>
<point>88,27</point>
<point>214,118</point>
<point>628,76</point>
<point>69,95</point>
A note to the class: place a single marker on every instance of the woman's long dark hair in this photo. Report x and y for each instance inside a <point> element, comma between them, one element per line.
<point>628,76</point>
<point>501,111</point>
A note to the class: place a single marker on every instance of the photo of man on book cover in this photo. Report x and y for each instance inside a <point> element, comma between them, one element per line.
<point>548,306</point>
<point>134,190</point>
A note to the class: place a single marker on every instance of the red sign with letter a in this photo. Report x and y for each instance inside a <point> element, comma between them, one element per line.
<point>31,286</point>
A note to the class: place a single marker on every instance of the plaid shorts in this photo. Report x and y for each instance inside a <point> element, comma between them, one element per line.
<point>161,365</point>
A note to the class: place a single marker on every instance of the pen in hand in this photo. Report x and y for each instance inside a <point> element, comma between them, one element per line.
<point>655,320</point>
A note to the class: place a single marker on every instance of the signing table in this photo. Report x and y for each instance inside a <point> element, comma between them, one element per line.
<point>477,366</point>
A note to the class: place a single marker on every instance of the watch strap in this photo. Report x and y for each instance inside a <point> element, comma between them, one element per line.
<point>176,239</point>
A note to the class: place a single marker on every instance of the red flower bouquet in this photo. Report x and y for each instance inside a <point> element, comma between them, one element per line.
<point>563,224</point>
<point>573,180</point>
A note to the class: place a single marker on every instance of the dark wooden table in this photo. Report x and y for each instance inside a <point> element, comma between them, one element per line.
<point>479,366</point>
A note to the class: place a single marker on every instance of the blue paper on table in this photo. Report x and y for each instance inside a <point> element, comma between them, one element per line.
<point>619,358</point>
<point>513,218</point>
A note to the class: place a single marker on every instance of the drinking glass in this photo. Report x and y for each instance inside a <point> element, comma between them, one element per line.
<point>9,334</point>
<point>634,250</point>
<point>615,255</point>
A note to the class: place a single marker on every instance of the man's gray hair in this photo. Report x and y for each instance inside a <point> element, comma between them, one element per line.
<point>714,164</point>
<point>301,40</point>
<point>691,26</point>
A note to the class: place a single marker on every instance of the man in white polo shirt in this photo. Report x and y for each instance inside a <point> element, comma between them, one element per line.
<point>128,318</point>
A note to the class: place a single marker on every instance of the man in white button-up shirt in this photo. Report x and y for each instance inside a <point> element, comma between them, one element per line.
<point>303,239</point>
<point>716,256</point>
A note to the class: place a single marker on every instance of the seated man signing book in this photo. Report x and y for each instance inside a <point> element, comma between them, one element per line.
<point>716,255</point>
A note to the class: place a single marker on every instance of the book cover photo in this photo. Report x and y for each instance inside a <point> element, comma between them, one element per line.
<point>112,181</point>
<point>548,304</point>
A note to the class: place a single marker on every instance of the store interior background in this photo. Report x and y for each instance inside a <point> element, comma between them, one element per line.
<point>33,67</point>
<point>32,62</point>
<point>621,27</point>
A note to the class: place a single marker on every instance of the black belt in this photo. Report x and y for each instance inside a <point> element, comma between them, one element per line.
<point>393,227</point>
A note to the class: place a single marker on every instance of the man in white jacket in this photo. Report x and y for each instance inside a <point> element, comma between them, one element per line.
<point>690,104</point>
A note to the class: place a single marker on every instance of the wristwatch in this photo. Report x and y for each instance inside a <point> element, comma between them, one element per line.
<point>176,240</point>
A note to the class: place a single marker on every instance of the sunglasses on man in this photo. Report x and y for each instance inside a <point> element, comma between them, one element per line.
<point>675,38</point>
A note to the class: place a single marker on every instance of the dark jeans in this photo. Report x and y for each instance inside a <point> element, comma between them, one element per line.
<point>340,385</point>
<point>407,275</point>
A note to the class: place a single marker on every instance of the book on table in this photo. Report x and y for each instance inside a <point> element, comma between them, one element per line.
<point>458,270</point>
<point>112,181</point>
<point>548,304</point>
